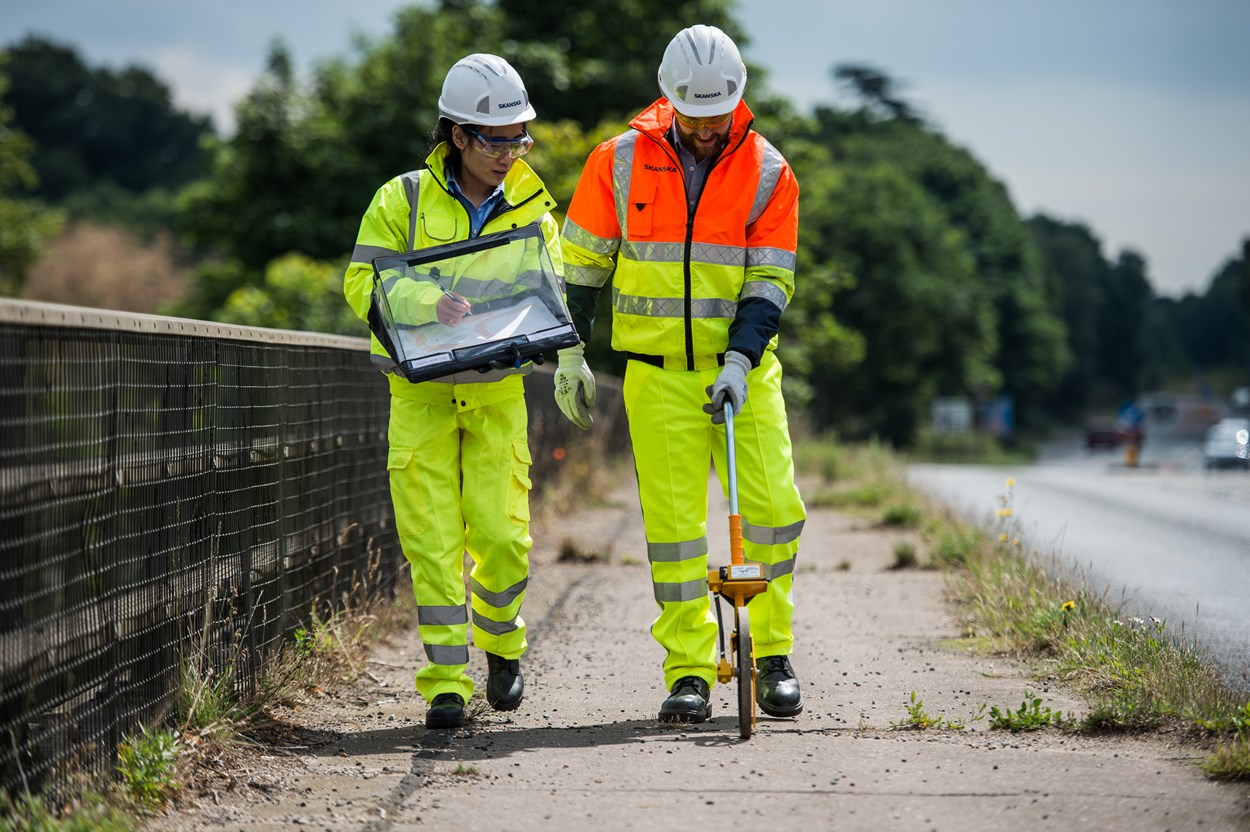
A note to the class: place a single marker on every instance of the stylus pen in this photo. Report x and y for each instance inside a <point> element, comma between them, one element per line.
<point>458,300</point>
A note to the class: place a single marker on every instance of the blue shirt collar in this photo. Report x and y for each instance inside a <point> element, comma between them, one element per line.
<point>477,214</point>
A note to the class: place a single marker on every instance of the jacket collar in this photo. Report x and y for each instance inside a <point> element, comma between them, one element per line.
<point>519,185</point>
<point>656,120</point>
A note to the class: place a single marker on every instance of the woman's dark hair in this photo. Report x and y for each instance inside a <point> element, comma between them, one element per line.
<point>442,133</point>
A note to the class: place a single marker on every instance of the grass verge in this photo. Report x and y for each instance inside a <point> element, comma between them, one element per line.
<point>1137,674</point>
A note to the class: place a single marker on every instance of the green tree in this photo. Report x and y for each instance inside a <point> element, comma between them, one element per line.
<point>296,293</point>
<point>1121,322</point>
<point>1214,328</point>
<point>877,90</point>
<point>926,327</point>
<point>306,158</point>
<point>597,59</point>
<point>99,125</point>
<point>25,224</point>
<point>944,240</point>
<point>1072,259</point>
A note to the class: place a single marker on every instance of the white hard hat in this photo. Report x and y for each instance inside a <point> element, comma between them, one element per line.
<point>484,89</point>
<point>702,73</point>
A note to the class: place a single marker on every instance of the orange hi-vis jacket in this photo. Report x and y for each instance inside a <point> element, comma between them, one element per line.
<point>680,273</point>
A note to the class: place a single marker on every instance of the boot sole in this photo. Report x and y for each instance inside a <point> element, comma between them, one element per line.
<point>686,716</point>
<point>780,712</point>
<point>506,705</point>
<point>444,722</point>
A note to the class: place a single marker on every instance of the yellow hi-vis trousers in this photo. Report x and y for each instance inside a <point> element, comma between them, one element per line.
<point>674,443</point>
<point>459,472</point>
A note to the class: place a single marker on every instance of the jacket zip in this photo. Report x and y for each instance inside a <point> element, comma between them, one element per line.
<point>691,210</point>
<point>497,213</point>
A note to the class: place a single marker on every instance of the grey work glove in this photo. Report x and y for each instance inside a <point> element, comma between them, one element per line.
<point>575,386</point>
<point>730,385</point>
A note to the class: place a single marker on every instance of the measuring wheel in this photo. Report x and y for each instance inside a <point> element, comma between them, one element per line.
<point>744,669</point>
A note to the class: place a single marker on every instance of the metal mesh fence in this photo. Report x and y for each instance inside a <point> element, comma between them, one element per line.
<point>169,486</point>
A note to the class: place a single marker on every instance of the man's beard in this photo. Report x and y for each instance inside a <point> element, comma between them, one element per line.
<point>702,152</point>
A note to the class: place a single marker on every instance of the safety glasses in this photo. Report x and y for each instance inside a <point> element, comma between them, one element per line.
<point>711,123</point>
<point>499,148</point>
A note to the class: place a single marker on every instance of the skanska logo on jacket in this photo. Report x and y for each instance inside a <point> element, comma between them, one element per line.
<point>659,168</point>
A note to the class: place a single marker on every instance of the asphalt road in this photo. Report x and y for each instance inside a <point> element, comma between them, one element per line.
<point>1167,539</point>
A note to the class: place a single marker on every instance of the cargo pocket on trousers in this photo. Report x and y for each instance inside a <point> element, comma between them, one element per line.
<point>411,515</point>
<point>519,484</point>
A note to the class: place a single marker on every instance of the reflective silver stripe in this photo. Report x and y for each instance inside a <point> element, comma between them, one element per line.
<point>447,654</point>
<point>445,616</point>
<point>654,252</point>
<point>412,186</point>
<point>622,170</point>
<point>500,600</point>
<point>770,174</point>
<point>768,291</point>
<point>686,591</point>
<point>389,283</point>
<point>675,253</point>
<point>773,571</point>
<point>771,257</point>
<point>672,307</point>
<point>495,628</point>
<point>592,276</point>
<point>674,552</point>
<point>367,254</point>
<point>769,536</point>
<point>579,236</point>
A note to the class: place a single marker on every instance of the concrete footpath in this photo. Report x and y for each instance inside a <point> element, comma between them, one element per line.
<point>585,749</point>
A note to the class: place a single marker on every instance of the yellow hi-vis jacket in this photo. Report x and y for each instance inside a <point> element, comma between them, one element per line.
<point>681,271</point>
<point>391,225</point>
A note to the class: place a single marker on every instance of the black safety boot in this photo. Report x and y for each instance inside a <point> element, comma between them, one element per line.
<point>776,687</point>
<point>504,684</point>
<point>446,711</point>
<point>688,701</point>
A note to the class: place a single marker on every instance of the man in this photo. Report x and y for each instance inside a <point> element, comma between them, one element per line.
<point>694,218</point>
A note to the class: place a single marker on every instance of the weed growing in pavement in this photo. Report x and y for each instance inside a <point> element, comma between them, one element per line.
<point>570,552</point>
<point>1031,716</point>
<point>476,708</point>
<point>89,812</point>
<point>1230,760</point>
<point>904,555</point>
<point>905,515</point>
<point>147,765</point>
<point>918,720</point>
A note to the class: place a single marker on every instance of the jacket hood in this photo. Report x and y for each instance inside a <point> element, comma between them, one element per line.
<point>656,120</point>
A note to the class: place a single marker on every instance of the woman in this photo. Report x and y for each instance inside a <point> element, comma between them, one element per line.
<point>459,459</point>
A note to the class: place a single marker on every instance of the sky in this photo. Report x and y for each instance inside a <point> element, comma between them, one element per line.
<point>1131,116</point>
